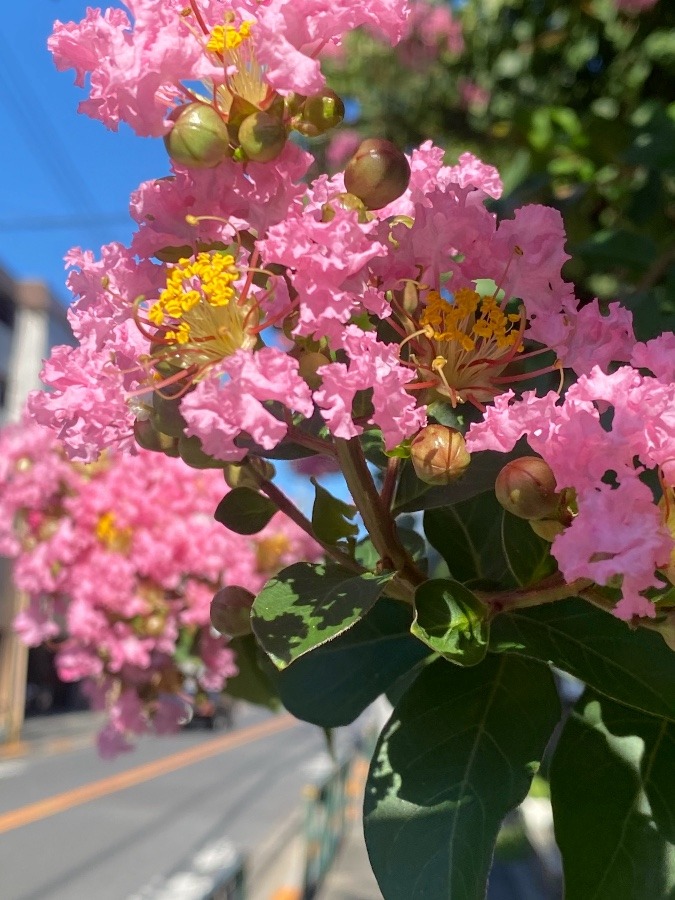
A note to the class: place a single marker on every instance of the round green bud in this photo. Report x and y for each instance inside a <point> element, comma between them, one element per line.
<point>308,365</point>
<point>231,611</point>
<point>378,173</point>
<point>547,529</point>
<point>166,415</point>
<point>439,455</point>
<point>149,438</point>
<point>320,113</point>
<point>199,138</point>
<point>240,475</point>
<point>262,137</point>
<point>526,487</point>
<point>344,201</point>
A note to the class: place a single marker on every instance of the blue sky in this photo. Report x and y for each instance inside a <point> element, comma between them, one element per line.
<point>59,166</point>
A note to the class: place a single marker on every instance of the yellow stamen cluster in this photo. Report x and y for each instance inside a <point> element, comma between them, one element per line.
<point>112,537</point>
<point>225,38</point>
<point>470,341</point>
<point>199,310</point>
<point>208,278</point>
<point>471,317</point>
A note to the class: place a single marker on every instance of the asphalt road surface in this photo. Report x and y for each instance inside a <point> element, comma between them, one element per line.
<point>73,826</point>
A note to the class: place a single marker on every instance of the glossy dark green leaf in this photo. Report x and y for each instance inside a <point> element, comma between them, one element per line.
<point>457,754</point>
<point>635,667</point>
<point>451,621</point>
<point>528,556</point>
<point>251,683</point>
<point>306,605</point>
<point>613,797</point>
<point>331,517</point>
<point>244,511</point>
<point>334,683</point>
<point>468,537</point>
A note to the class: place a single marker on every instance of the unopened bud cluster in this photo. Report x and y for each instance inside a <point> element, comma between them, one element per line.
<point>202,136</point>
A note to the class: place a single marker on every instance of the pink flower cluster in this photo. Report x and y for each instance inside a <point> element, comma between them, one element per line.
<point>138,68</point>
<point>600,439</point>
<point>430,298</point>
<point>431,30</point>
<point>119,561</point>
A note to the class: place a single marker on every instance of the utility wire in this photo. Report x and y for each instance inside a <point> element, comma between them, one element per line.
<point>36,125</point>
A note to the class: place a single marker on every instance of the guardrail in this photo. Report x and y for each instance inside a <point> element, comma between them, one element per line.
<point>325,806</point>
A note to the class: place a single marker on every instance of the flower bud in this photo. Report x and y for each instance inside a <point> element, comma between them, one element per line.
<point>262,137</point>
<point>526,487</point>
<point>439,454</point>
<point>320,113</point>
<point>231,611</point>
<point>548,529</point>
<point>308,364</point>
<point>149,438</point>
<point>198,138</point>
<point>378,173</point>
<point>344,201</point>
<point>166,415</point>
<point>238,475</point>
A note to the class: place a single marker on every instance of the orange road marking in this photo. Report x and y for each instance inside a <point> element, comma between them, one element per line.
<point>68,799</point>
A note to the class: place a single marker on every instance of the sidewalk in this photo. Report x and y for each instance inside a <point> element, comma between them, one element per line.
<point>54,733</point>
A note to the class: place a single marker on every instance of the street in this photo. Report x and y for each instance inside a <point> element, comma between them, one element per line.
<point>72,825</point>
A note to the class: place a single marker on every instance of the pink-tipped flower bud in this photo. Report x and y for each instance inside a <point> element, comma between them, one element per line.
<point>231,611</point>
<point>439,454</point>
<point>526,487</point>
<point>262,137</point>
<point>320,113</point>
<point>378,173</point>
<point>199,138</point>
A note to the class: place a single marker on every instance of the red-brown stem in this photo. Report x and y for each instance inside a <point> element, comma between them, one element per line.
<point>286,506</point>
<point>377,518</point>
<point>548,591</point>
<point>389,482</point>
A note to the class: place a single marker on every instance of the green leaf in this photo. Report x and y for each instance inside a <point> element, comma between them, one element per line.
<point>251,683</point>
<point>334,683</point>
<point>413,541</point>
<point>306,605</point>
<point>451,621</point>
<point>468,537</point>
<point>457,754</point>
<point>635,667</point>
<point>528,556</point>
<point>613,797</point>
<point>244,511</point>
<point>330,516</point>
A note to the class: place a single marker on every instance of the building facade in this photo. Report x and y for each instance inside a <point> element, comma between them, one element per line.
<point>32,321</point>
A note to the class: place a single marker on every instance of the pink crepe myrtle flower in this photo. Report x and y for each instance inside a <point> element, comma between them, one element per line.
<point>217,412</point>
<point>136,69</point>
<point>375,365</point>
<point>146,521</point>
<point>618,521</point>
<point>657,355</point>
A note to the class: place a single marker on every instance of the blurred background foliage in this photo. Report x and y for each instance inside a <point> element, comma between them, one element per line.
<point>574,102</point>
